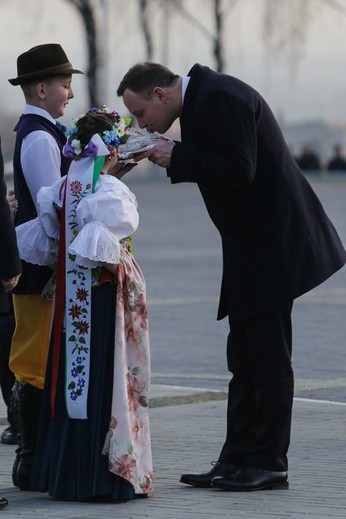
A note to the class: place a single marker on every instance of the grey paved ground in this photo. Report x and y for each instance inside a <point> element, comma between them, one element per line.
<point>179,252</point>
<point>188,437</point>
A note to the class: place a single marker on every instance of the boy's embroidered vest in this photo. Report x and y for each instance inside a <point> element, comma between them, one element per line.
<point>34,277</point>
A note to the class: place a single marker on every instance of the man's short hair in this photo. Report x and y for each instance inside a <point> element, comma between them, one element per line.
<point>142,78</point>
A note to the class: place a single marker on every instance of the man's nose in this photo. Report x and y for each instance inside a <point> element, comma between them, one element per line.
<point>141,123</point>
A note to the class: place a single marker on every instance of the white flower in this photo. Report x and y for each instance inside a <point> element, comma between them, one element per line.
<point>105,109</point>
<point>76,145</point>
<point>121,127</point>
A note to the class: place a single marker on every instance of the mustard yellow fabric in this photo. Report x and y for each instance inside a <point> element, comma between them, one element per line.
<point>30,342</point>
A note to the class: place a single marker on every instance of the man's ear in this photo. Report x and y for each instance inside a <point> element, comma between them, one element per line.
<point>160,94</point>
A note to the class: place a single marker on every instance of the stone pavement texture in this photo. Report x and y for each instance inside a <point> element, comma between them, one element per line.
<point>187,438</point>
<point>179,252</point>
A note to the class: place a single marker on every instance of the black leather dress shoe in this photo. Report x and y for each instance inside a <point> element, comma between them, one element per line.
<point>9,436</point>
<point>204,480</point>
<point>3,503</point>
<point>247,479</point>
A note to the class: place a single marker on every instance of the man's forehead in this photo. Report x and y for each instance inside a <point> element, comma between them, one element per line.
<point>133,101</point>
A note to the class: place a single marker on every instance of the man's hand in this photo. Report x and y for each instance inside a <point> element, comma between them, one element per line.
<point>160,154</point>
<point>11,199</point>
<point>11,283</point>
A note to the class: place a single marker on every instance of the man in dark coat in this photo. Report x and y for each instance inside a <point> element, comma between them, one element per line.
<point>10,265</point>
<point>277,244</point>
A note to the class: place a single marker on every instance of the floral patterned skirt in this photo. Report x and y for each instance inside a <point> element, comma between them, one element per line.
<point>77,459</point>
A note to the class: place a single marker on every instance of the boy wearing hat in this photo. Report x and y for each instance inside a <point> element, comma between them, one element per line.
<point>45,76</point>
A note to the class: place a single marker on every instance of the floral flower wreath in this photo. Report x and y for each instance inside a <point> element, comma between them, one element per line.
<point>74,149</point>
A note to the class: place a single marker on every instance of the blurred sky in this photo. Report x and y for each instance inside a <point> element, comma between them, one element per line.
<point>312,88</point>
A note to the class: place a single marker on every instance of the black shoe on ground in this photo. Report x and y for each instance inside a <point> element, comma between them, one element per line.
<point>248,479</point>
<point>9,436</point>
<point>3,503</point>
<point>204,480</point>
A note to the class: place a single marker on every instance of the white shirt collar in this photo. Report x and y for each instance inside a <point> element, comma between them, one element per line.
<point>30,109</point>
<point>184,83</point>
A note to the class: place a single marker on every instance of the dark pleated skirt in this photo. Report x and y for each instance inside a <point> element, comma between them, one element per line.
<point>69,463</point>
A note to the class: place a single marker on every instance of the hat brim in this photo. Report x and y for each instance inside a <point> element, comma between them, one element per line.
<point>41,74</point>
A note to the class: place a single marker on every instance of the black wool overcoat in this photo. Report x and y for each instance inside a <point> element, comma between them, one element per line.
<point>277,240</point>
<point>10,265</point>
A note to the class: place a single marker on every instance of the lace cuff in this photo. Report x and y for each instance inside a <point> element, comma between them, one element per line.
<point>34,245</point>
<point>94,245</point>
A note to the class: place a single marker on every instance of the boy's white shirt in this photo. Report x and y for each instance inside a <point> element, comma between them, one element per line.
<point>40,155</point>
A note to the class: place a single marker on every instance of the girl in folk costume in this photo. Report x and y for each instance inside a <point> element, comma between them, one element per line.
<point>94,437</point>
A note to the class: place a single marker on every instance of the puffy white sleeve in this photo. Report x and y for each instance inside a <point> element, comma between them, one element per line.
<point>104,217</point>
<point>37,239</point>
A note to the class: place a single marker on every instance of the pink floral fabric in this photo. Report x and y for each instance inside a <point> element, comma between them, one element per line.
<point>127,444</point>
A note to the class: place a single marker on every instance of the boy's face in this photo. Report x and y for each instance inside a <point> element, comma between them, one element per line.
<point>56,93</point>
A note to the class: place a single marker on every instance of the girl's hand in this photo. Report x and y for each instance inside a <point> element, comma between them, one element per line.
<point>110,161</point>
<point>115,168</point>
<point>121,168</point>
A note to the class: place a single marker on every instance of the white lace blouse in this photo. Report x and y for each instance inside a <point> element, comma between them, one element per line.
<point>105,217</point>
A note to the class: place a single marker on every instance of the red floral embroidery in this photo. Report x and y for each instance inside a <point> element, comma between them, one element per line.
<point>76,187</point>
<point>82,294</point>
<point>75,311</point>
<point>82,327</point>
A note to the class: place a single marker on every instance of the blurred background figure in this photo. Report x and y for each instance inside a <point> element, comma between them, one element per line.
<point>338,161</point>
<point>308,159</point>
<point>7,325</point>
<point>7,321</point>
<point>10,267</point>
